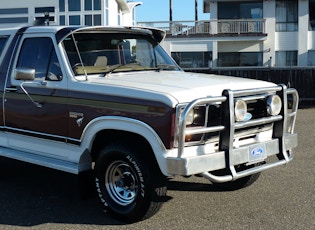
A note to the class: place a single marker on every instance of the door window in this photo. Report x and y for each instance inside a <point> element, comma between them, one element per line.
<point>39,54</point>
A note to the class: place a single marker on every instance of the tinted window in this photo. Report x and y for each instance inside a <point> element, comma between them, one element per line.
<point>44,9</point>
<point>88,20</point>
<point>97,4</point>
<point>3,41</point>
<point>226,59</point>
<point>62,20</point>
<point>74,5</point>
<point>62,5</point>
<point>74,20</point>
<point>97,20</point>
<point>39,54</point>
<point>88,4</point>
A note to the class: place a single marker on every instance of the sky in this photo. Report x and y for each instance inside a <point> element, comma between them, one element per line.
<point>158,10</point>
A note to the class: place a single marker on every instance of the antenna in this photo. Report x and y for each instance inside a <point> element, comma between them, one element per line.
<point>80,58</point>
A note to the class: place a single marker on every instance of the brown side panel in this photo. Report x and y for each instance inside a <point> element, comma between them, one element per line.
<point>49,118</point>
<point>90,106</point>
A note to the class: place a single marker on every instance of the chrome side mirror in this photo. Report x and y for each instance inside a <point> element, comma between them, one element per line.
<point>24,74</point>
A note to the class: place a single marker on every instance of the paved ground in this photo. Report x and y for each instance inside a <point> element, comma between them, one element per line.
<point>33,197</point>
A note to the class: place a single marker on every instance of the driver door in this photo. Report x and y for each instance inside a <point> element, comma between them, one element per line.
<point>37,108</point>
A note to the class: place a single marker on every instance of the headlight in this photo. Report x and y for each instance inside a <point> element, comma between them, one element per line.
<point>196,116</point>
<point>240,110</point>
<point>190,117</point>
<point>274,105</point>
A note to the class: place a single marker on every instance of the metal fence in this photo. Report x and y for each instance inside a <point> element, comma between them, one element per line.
<point>302,79</point>
<point>211,27</point>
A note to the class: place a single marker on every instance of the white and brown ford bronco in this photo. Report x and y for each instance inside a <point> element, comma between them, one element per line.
<point>110,101</point>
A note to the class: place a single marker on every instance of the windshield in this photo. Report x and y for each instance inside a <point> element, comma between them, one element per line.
<point>102,53</point>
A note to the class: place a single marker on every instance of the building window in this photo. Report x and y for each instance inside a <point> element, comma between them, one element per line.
<point>14,20</point>
<point>62,20</point>
<point>192,60</point>
<point>286,16</point>
<point>247,12</point>
<point>74,20</point>
<point>88,20</point>
<point>74,5</point>
<point>228,59</point>
<point>242,10</point>
<point>88,5</point>
<point>97,5</point>
<point>311,58</point>
<point>97,19</point>
<point>312,14</point>
<point>44,10</point>
<point>14,11</point>
<point>286,58</point>
<point>62,5</point>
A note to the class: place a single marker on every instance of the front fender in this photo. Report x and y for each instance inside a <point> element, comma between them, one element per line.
<point>129,125</point>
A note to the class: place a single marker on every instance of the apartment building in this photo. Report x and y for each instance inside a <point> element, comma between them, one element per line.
<point>263,33</point>
<point>67,12</point>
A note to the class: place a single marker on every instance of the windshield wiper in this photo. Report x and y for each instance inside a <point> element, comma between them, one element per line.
<point>166,67</point>
<point>160,67</point>
<point>111,69</point>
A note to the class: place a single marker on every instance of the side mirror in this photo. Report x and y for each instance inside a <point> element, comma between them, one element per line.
<point>24,74</point>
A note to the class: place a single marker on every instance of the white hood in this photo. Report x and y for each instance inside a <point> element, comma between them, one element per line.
<point>174,86</point>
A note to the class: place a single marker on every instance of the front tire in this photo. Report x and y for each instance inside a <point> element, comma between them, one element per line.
<point>126,187</point>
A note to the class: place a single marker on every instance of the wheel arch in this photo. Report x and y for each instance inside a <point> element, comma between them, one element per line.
<point>105,130</point>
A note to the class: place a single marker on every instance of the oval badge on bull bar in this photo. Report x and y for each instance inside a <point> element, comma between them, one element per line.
<point>257,152</point>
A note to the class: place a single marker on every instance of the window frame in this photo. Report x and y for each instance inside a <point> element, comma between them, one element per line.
<point>287,58</point>
<point>290,22</point>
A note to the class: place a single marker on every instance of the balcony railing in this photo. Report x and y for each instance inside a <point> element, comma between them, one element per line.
<point>212,27</point>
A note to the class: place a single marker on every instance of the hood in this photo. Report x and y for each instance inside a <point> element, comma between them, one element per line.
<point>177,86</point>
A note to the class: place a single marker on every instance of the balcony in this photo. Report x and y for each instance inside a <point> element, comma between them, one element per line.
<point>222,27</point>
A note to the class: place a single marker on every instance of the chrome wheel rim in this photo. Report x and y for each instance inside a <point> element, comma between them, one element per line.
<point>121,183</point>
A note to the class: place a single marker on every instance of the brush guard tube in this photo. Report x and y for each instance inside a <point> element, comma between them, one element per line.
<point>283,140</point>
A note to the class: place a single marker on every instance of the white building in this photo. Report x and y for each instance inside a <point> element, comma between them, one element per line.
<point>67,12</point>
<point>263,33</point>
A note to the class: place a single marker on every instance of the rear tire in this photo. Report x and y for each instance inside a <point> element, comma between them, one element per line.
<point>129,185</point>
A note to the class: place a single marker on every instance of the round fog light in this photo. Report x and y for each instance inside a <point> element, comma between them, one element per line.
<point>240,110</point>
<point>274,105</point>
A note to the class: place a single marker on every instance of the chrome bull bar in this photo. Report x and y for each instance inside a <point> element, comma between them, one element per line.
<point>283,131</point>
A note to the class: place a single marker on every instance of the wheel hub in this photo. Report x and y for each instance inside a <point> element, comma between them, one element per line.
<point>121,183</point>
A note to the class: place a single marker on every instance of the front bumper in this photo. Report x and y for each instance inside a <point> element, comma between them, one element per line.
<point>215,161</point>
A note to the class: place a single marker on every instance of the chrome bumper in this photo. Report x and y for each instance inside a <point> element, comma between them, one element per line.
<point>214,161</point>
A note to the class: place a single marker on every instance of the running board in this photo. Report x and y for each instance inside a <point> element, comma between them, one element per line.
<point>41,160</point>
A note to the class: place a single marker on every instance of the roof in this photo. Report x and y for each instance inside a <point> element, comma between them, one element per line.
<point>62,32</point>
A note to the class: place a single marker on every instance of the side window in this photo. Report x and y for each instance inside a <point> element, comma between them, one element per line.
<point>3,41</point>
<point>39,54</point>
